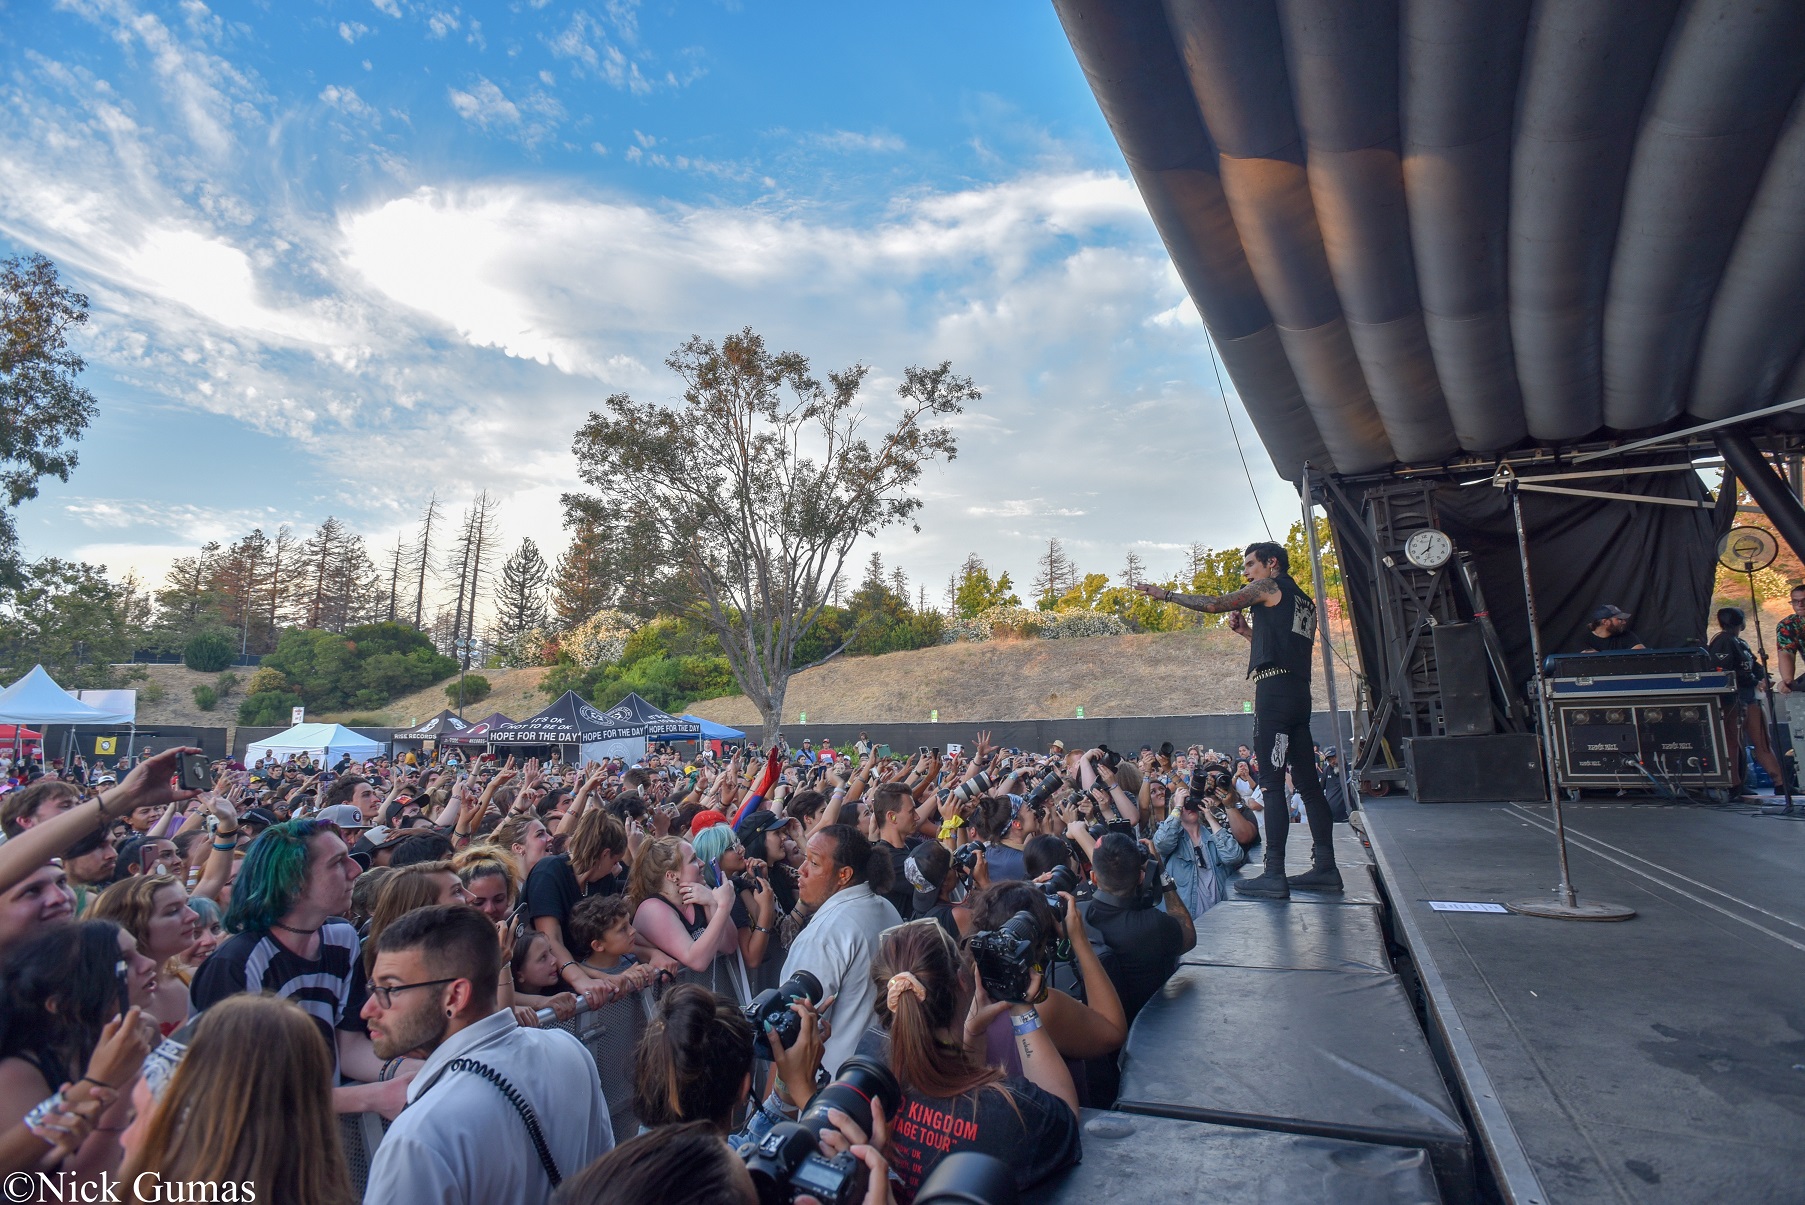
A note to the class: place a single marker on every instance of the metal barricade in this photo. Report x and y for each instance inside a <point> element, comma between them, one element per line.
<point>611,1035</point>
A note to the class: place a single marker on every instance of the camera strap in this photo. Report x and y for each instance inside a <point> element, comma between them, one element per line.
<point>529,1118</point>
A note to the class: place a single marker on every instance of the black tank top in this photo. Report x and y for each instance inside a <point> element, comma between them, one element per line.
<point>1284,634</point>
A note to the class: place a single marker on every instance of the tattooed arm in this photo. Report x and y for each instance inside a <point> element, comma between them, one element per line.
<point>1262,593</point>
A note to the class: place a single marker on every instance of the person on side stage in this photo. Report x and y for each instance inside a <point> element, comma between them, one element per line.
<point>1609,631</point>
<point>1283,636</point>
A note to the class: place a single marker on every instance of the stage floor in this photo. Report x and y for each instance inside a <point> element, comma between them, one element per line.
<point>1660,1059</point>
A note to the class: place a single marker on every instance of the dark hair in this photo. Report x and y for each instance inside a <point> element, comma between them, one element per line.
<point>804,805</point>
<point>89,843</point>
<point>869,864</point>
<point>591,920</point>
<point>677,1165</point>
<point>1043,852</point>
<point>692,1059</point>
<point>455,938</point>
<point>273,875</point>
<point>341,791</point>
<point>1117,864</point>
<point>887,800</point>
<point>934,861</point>
<point>1730,619</point>
<point>992,907</point>
<point>992,816</point>
<point>71,965</point>
<point>421,847</point>
<point>627,805</point>
<point>1265,551</point>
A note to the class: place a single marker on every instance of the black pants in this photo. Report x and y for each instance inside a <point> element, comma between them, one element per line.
<point>1281,738</point>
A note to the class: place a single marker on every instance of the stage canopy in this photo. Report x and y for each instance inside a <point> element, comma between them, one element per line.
<point>37,699</point>
<point>478,733</point>
<point>445,724</point>
<point>1441,228</point>
<point>325,741</point>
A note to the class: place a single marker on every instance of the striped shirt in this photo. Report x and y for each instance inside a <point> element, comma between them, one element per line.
<point>330,987</point>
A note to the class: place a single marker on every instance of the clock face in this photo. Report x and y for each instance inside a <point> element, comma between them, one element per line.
<point>1428,549</point>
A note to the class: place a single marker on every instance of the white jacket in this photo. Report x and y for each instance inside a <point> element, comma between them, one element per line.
<point>836,947</point>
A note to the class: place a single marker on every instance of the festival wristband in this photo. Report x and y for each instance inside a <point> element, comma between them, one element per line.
<point>1025,1024</point>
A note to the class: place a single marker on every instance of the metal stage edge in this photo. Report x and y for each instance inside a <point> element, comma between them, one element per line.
<point>1512,1172</point>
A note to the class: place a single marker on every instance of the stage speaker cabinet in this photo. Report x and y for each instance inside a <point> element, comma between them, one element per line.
<point>1464,673</point>
<point>1475,769</point>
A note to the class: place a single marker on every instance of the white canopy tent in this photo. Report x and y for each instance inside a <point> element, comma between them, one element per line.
<point>322,740</point>
<point>37,699</point>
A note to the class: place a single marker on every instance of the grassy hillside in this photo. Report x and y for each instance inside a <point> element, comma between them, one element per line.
<point>1156,673</point>
<point>514,691</point>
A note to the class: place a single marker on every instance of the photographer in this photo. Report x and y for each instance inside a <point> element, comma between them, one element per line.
<point>1146,941</point>
<point>1087,1029</point>
<point>694,1061</point>
<point>842,886</point>
<point>933,880</point>
<point>724,860</point>
<point>1199,850</point>
<point>1005,822</point>
<point>1121,782</point>
<point>936,1016</point>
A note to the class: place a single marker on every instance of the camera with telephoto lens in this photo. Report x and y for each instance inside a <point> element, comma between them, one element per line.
<point>1110,757</point>
<point>965,858</point>
<point>771,1007</point>
<point>1006,957</point>
<point>1059,879</point>
<point>787,1163</point>
<point>1043,789</point>
<point>975,785</point>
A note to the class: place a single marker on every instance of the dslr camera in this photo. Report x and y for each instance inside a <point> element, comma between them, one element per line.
<point>1007,957</point>
<point>771,1007</point>
<point>1059,879</point>
<point>787,1164</point>
<point>976,785</point>
<point>1044,788</point>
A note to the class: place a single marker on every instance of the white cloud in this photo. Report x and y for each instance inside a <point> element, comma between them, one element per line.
<point>849,140</point>
<point>346,101</point>
<point>388,8</point>
<point>485,105</point>
<point>350,31</point>
<point>439,24</point>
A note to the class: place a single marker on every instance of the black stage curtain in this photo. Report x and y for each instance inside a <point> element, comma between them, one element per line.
<point>1656,562</point>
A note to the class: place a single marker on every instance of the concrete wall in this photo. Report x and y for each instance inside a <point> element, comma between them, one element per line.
<point>1125,734</point>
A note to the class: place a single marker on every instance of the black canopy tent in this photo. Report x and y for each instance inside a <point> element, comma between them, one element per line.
<point>1443,242</point>
<point>442,726</point>
<point>478,733</point>
<point>620,731</point>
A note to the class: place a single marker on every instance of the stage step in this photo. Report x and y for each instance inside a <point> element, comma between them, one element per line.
<point>1336,1055</point>
<point>1291,939</point>
<point>1142,1158</point>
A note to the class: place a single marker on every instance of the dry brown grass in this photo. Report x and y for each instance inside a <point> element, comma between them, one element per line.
<point>1192,672</point>
<point>513,692</point>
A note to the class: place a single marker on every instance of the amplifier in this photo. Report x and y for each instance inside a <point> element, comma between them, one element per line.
<point>1495,768</point>
<point>1678,738</point>
<point>1687,659</point>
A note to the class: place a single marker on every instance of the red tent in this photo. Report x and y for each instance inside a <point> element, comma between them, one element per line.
<point>12,732</point>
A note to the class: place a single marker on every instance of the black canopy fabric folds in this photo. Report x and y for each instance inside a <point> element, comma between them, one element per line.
<point>573,721</point>
<point>445,724</point>
<point>478,733</point>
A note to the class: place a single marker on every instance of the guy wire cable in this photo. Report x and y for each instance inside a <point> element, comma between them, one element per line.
<point>1223,394</point>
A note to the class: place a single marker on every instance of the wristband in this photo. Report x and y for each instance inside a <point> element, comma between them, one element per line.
<point>226,847</point>
<point>1025,1024</point>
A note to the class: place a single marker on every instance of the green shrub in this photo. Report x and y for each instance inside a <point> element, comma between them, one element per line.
<point>150,691</point>
<point>227,683</point>
<point>209,650</point>
<point>268,708</point>
<point>476,689</point>
<point>205,698</point>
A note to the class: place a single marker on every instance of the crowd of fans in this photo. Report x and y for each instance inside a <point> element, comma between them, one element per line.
<point>198,985</point>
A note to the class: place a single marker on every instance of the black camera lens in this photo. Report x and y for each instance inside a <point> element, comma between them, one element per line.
<point>860,1082</point>
<point>770,1011</point>
<point>969,1178</point>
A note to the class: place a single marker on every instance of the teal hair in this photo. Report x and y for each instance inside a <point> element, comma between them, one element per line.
<point>273,875</point>
<point>709,845</point>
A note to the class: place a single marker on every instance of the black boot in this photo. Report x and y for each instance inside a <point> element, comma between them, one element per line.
<point>1270,885</point>
<point>1320,877</point>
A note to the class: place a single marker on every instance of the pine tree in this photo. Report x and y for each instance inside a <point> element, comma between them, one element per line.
<point>422,560</point>
<point>284,557</point>
<point>1134,569</point>
<point>520,596</point>
<point>899,584</point>
<point>874,573</point>
<point>580,587</point>
<point>1057,575</point>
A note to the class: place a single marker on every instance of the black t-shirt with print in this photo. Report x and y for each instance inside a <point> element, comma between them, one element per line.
<point>1028,1128</point>
<point>552,890</point>
<point>901,894</point>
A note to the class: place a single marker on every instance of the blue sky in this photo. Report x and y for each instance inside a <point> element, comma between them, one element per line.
<point>344,254</point>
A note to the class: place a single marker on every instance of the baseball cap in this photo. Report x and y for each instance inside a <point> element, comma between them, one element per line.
<point>1606,611</point>
<point>758,823</point>
<point>258,815</point>
<point>926,869</point>
<point>706,818</point>
<point>345,815</point>
<point>381,837</point>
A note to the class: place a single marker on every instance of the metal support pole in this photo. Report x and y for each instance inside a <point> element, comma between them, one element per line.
<point>1776,498</point>
<point>1343,753</point>
<point>1569,907</point>
<point>1773,713</point>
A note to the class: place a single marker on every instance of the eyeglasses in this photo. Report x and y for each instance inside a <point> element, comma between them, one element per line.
<point>385,996</point>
